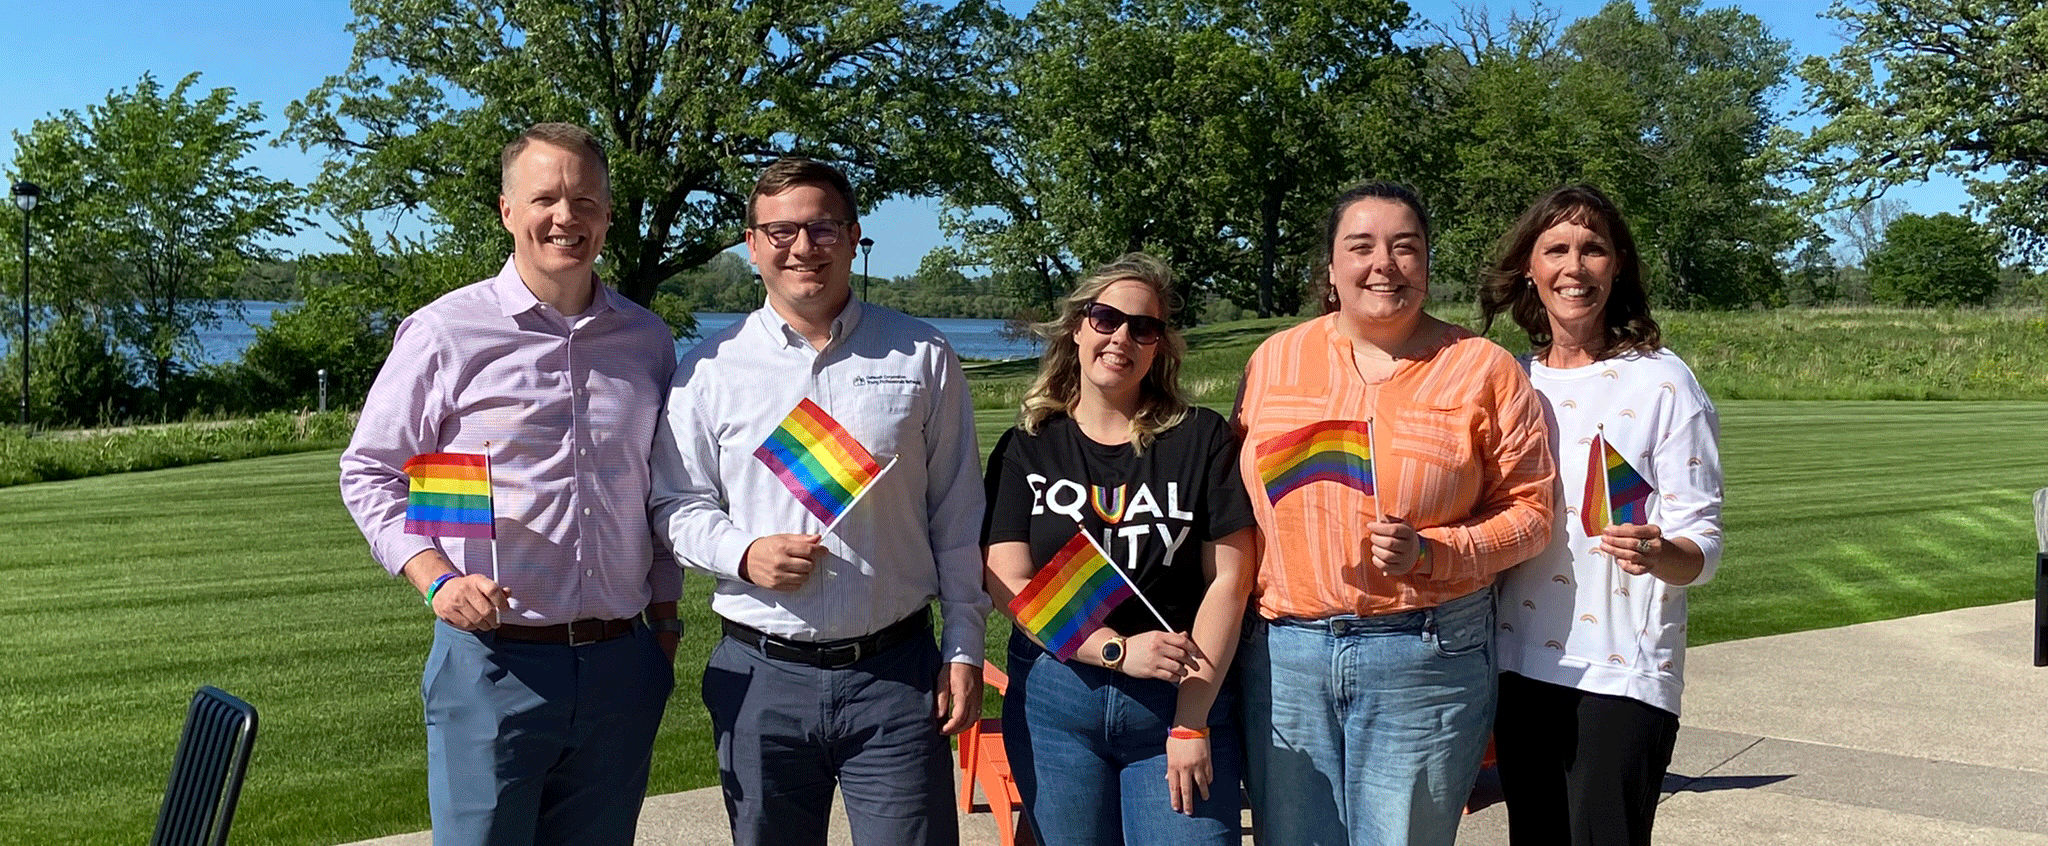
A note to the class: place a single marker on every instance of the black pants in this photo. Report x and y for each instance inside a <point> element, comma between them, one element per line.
<point>1584,765</point>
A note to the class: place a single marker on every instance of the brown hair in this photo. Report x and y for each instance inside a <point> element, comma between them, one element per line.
<point>567,136</point>
<point>1504,286</point>
<point>1374,190</point>
<point>791,171</point>
<point>1161,405</point>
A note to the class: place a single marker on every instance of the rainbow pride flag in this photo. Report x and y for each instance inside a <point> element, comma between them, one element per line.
<point>1068,599</point>
<point>1325,451</point>
<point>450,496</point>
<point>819,461</point>
<point>1615,492</point>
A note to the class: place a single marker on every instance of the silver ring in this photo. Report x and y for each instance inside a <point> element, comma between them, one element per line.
<point>1643,546</point>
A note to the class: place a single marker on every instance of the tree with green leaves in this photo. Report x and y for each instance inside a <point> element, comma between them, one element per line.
<point>1666,109</point>
<point>1944,260</point>
<point>1927,87</point>
<point>691,99</point>
<point>155,213</point>
<point>1207,133</point>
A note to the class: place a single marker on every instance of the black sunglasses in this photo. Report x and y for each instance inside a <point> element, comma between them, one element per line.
<point>1145,328</point>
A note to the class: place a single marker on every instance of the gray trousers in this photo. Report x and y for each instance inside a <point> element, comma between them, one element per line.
<point>787,733</point>
<point>536,744</point>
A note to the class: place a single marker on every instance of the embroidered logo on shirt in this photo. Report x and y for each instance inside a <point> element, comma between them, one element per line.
<point>878,381</point>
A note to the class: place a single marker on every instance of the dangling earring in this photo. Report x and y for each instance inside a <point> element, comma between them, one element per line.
<point>1330,294</point>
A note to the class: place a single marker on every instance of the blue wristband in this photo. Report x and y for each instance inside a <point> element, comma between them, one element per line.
<point>436,586</point>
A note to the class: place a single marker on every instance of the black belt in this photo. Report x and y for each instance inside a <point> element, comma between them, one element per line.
<point>830,654</point>
<point>587,630</point>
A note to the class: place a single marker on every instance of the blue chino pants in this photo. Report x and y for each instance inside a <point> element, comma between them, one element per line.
<point>787,733</point>
<point>537,744</point>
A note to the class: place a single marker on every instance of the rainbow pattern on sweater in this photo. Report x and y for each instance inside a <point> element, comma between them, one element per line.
<point>1325,451</point>
<point>450,496</point>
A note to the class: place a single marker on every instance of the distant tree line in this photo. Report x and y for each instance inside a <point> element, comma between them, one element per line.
<point>1211,133</point>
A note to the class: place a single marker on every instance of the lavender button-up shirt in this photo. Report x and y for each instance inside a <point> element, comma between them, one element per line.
<point>565,406</point>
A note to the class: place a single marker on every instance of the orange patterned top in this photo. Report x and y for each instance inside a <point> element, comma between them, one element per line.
<point>1459,449</point>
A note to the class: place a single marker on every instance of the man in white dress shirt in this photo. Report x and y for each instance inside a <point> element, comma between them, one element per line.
<point>828,674</point>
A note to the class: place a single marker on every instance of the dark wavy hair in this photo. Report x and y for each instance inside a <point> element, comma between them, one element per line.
<point>1505,286</point>
<point>1374,190</point>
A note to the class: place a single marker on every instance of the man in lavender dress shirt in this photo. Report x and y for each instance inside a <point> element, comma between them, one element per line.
<point>554,644</point>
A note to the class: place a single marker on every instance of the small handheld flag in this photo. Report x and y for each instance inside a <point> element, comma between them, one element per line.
<point>1615,492</point>
<point>450,496</point>
<point>1068,599</point>
<point>1325,451</point>
<point>820,462</point>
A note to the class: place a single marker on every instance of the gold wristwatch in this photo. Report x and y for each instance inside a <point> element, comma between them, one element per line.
<point>1113,653</point>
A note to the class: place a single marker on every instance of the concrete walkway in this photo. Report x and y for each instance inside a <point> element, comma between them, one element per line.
<point>1924,730</point>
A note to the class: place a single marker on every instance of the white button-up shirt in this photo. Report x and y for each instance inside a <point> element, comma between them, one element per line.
<point>894,383</point>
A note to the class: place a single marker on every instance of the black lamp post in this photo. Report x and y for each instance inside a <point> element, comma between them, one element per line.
<point>25,196</point>
<point>867,245</point>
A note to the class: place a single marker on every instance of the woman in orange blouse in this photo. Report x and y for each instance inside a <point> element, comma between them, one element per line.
<point>1396,464</point>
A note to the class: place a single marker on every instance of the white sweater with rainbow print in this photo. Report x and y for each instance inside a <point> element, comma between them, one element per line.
<point>1571,617</point>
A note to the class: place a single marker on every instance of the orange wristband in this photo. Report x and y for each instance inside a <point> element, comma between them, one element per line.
<point>1179,733</point>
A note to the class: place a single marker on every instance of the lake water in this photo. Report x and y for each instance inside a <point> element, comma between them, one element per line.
<point>972,338</point>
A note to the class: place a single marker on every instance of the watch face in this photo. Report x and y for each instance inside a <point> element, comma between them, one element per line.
<point>1112,652</point>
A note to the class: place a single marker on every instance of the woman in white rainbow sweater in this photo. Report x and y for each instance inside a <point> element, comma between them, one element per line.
<point>1592,630</point>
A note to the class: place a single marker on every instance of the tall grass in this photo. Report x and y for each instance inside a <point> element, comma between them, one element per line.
<point>55,456</point>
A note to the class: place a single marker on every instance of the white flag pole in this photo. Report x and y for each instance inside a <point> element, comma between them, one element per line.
<point>1163,624</point>
<point>863,492</point>
<point>497,614</point>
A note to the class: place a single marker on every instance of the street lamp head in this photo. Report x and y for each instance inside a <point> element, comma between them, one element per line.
<point>26,194</point>
<point>866,244</point>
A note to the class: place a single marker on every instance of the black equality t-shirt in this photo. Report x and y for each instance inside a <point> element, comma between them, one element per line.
<point>1152,512</point>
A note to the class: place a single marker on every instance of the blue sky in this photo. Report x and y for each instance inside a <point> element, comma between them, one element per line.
<point>274,52</point>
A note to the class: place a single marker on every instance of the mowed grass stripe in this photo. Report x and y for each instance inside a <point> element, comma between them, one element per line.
<point>1845,512</point>
<point>129,591</point>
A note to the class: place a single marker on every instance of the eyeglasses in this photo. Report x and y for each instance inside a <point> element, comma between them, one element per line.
<point>1106,319</point>
<point>824,233</point>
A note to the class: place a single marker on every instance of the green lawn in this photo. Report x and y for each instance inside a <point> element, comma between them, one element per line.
<point>125,592</point>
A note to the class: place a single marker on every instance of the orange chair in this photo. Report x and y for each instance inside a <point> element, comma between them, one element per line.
<point>983,761</point>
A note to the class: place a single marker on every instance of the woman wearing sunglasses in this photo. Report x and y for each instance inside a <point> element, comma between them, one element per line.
<point>1132,739</point>
<point>1397,463</point>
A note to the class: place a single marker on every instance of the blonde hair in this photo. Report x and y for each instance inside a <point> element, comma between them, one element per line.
<point>1161,405</point>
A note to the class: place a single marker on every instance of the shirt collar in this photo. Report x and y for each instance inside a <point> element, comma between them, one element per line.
<point>515,298</point>
<point>772,322</point>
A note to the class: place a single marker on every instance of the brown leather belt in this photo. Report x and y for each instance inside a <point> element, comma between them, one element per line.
<point>832,654</point>
<point>585,631</point>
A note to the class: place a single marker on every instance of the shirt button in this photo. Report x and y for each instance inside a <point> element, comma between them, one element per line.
<point>590,572</point>
<point>582,451</point>
<point>586,511</point>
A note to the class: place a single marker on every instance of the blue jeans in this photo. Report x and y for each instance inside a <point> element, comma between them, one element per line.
<point>1097,740</point>
<point>1368,730</point>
